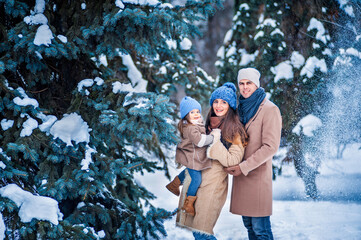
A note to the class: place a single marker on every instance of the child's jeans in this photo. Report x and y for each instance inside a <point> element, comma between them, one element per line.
<point>195,181</point>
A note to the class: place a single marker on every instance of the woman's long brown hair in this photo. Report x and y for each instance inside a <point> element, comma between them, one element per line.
<point>232,129</point>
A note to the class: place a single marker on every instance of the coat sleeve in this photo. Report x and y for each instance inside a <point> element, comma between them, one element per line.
<point>193,133</point>
<point>271,137</point>
<point>227,158</point>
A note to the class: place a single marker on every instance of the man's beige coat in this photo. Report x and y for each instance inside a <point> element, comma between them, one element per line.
<point>252,190</point>
<point>212,192</point>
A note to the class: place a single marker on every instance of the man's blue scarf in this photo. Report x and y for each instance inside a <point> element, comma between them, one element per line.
<point>247,107</point>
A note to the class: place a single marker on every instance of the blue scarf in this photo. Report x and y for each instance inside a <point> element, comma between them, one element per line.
<point>247,107</point>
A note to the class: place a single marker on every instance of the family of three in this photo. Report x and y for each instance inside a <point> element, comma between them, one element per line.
<point>239,140</point>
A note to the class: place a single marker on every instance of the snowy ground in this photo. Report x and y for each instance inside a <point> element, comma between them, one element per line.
<point>337,215</point>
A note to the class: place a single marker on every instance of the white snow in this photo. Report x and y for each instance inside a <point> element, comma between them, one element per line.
<point>294,215</point>
<point>231,51</point>
<point>277,31</point>
<point>312,64</point>
<point>307,125</point>
<point>258,35</point>
<point>137,85</point>
<point>87,160</point>
<point>345,57</point>
<point>297,59</point>
<point>36,19</point>
<point>315,45</point>
<point>48,121</point>
<point>283,70</point>
<point>321,32</point>
<point>71,128</point>
<point>186,44</point>
<point>119,87</point>
<point>85,83</point>
<point>220,52</point>
<point>28,126</point>
<point>43,36</point>
<point>349,10</point>
<point>63,38</point>
<point>32,206</point>
<point>246,57</point>
<point>6,124</point>
<point>268,22</point>
<point>37,16</point>
<point>101,234</point>
<point>350,52</point>
<point>140,102</point>
<point>162,70</point>
<point>103,60</point>
<point>146,3</point>
<point>327,51</point>
<point>39,6</point>
<point>25,100</point>
<point>99,81</point>
<point>172,44</point>
<point>88,82</point>
<point>244,6</point>
<point>38,55</point>
<point>228,36</point>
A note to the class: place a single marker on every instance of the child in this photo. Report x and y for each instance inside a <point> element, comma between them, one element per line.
<point>191,151</point>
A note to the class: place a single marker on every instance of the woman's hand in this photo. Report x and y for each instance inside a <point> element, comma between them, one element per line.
<point>234,170</point>
<point>216,134</point>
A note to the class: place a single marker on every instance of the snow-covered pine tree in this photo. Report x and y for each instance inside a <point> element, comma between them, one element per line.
<point>290,42</point>
<point>86,103</point>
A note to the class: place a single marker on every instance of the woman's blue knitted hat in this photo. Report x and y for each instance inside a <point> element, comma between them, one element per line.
<point>227,92</point>
<point>188,104</point>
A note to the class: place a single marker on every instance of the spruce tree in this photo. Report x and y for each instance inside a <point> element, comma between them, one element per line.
<point>87,100</point>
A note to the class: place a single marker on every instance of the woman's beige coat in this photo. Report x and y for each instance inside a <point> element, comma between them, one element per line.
<point>212,193</point>
<point>252,190</point>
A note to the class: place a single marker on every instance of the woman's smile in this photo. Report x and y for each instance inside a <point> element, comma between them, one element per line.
<point>220,107</point>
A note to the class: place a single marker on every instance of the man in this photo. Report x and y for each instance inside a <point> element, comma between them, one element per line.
<point>252,181</point>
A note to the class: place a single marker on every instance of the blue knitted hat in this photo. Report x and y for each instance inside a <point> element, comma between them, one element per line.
<point>226,92</point>
<point>188,104</point>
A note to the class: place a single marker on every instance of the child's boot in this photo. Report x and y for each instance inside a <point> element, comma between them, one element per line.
<point>173,186</point>
<point>188,205</point>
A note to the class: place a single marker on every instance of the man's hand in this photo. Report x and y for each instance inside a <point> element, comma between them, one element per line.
<point>234,170</point>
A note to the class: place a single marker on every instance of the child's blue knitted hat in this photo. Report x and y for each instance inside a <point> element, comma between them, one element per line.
<point>226,92</point>
<point>188,104</point>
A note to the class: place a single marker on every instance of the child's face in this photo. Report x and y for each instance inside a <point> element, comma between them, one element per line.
<point>195,114</point>
<point>220,107</point>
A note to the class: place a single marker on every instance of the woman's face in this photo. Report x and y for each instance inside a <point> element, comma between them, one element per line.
<point>220,107</point>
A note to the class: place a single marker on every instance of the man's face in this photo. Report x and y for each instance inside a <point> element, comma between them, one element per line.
<point>246,87</point>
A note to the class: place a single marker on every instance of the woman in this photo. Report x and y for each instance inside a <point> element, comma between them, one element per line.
<point>226,150</point>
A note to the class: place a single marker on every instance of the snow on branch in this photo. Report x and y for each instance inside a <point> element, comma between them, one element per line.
<point>307,125</point>
<point>32,206</point>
